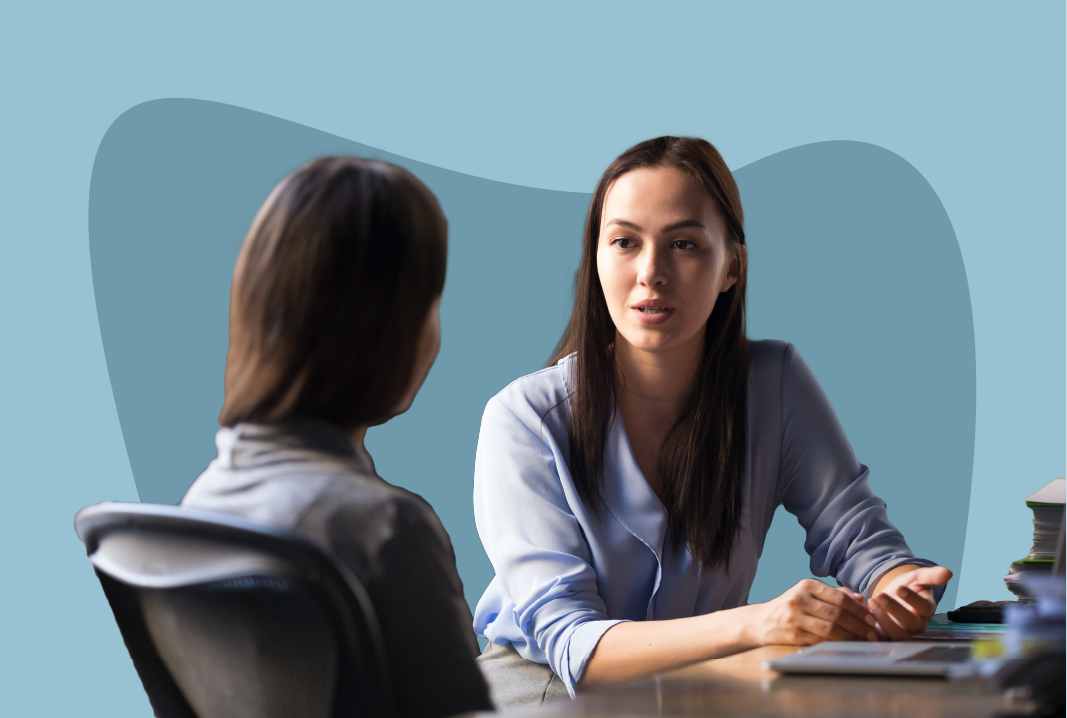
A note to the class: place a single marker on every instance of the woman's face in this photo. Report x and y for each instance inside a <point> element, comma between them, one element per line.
<point>662,257</point>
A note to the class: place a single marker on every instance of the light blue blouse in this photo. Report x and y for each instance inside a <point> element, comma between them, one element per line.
<point>564,575</point>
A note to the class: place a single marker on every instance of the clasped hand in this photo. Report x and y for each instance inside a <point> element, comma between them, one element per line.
<point>903,607</point>
<point>811,611</point>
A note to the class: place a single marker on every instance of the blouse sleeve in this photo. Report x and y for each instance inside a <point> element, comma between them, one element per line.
<point>849,535</point>
<point>524,515</point>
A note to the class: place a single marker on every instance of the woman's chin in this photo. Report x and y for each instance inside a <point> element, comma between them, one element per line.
<point>658,340</point>
<point>648,342</point>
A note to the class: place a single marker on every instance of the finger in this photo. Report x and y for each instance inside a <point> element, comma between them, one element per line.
<point>902,614</point>
<point>924,607</point>
<point>796,636</point>
<point>825,630</point>
<point>904,618</point>
<point>805,638</point>
<point>879,631</point>
<point>839,598</point>
<point>892,630</point>
<point>857,597</point>
<point>882,636</point>
<point>839,616</point>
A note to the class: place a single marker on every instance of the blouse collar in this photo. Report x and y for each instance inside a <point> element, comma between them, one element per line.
<point>627,492</point>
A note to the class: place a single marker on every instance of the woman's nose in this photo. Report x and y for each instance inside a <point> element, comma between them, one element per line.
<point>651,269</point>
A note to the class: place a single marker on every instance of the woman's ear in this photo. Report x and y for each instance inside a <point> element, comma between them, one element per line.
<point>737,265</point>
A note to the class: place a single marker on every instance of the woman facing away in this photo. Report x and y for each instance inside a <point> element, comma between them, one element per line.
<point>333,328</point>
<point>623,494</point>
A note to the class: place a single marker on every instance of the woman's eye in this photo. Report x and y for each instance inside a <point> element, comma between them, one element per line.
<point>683,244</point>
<point>622,242</point>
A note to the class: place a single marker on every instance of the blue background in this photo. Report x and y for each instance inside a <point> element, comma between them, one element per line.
<point>971,96</point>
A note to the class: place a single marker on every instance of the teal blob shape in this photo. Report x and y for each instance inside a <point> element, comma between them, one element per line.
<point>852,258</point>
<point>175,186</point>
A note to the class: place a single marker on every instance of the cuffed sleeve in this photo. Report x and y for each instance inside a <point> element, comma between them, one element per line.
<point>544,573</point>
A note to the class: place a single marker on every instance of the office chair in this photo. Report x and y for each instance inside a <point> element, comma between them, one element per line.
<point>224,617</point>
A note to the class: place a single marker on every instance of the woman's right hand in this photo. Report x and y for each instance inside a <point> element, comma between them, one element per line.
<point>811,612</point>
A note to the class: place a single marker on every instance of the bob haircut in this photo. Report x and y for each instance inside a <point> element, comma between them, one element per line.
<point>330,292</point>
<point>703,455</point>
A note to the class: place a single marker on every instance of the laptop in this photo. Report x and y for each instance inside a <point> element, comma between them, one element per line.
<point>912,658</point>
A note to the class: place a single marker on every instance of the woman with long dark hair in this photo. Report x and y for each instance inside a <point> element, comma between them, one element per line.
<point>333,328</point>
<point>624,492</point>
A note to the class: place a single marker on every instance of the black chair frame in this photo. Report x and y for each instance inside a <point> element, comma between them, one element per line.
<point>153,546</point>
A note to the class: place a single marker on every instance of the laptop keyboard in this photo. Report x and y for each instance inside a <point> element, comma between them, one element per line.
<point>942,654</point>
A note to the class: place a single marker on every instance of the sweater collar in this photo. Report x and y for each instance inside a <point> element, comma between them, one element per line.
<point>301,438</point>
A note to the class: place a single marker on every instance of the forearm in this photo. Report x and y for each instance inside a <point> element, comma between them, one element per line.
<point>641,648</point>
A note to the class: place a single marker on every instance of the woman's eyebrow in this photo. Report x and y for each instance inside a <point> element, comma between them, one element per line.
<point>623,223</point>
<point>668,228</point>
<point>683,224</point>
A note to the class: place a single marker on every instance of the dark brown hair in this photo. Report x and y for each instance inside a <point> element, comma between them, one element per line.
<point>330,292</point>
<point>703,455</point>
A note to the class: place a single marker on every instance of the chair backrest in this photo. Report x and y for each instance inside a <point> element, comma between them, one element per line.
<point>224,617</point>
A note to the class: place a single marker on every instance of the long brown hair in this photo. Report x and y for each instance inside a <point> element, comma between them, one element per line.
<point>703,455</point>
<point>331,289</point>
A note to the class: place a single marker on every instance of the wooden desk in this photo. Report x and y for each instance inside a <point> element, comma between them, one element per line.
<point>737,686</point>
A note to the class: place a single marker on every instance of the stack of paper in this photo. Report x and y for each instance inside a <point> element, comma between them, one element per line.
<point>1047,504</point>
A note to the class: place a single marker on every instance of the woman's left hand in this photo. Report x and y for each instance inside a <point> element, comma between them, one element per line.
<point>906,603</point>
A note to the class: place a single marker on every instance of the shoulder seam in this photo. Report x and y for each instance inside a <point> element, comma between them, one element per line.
<point>527,376</point>
<point>395,492</point>
<point>516,417</point>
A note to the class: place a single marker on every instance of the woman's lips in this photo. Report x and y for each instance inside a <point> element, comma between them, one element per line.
<point>650,315</point>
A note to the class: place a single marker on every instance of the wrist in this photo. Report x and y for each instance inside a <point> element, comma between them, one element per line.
<point>746,625</point>
<point>887,577</point>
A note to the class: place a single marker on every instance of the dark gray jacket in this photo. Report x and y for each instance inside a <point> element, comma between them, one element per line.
<point>307,476</point>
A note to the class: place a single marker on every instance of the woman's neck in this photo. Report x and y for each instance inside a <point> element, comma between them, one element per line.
<point>657,376</point>
<point>650,389</point>
<point>358,435</point>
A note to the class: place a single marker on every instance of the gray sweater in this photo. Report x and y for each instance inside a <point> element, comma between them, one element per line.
<point>307,476</point>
